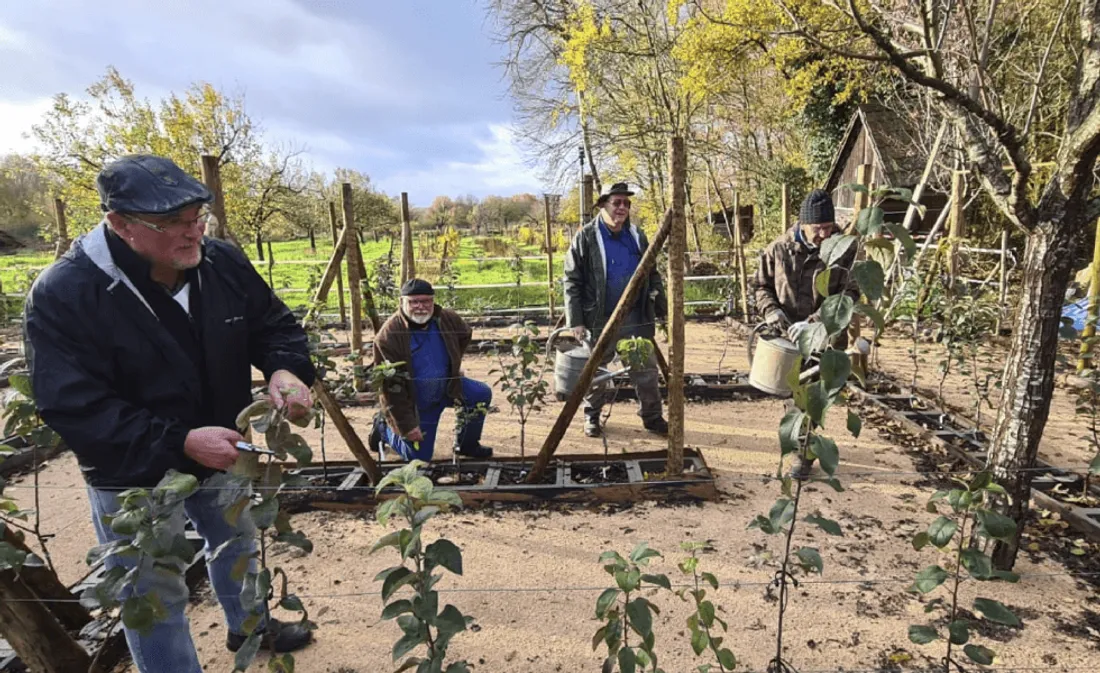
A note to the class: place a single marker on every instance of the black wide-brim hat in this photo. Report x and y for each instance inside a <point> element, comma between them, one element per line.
<point>617,188</point>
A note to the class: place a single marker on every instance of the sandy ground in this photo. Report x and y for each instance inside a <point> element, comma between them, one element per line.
<point>532,577</point>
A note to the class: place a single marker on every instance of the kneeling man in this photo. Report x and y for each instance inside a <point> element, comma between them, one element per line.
<point>430,340</point>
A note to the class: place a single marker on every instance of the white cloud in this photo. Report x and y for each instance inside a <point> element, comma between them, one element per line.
<point>16,120</point>
<point>501,169</point>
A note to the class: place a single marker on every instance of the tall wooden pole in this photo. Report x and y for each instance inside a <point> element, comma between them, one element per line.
<point>1094,306</point>
<point>347,432</point>
<point>677,249</point>
<point>863,177</point>
<point>607,337</point>
<point>212,178</point>
<point>588,201</point>
<point>549,256</point>
<point>408,263</point>
<point>62,228</point>
<point>785,206</point>
<point>958,225</point>
<point>352,241</point>
<point>339,275</point>
<point>739,250</point>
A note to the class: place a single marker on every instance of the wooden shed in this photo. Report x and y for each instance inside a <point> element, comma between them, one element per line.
<point>720,217</point>
<point>888,142</point>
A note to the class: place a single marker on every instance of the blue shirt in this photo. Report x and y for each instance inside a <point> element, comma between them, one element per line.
<point>430,365</point>
<point>623,256</point>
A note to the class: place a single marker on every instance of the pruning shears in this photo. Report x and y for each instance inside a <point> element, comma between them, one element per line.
<point>252,448</point>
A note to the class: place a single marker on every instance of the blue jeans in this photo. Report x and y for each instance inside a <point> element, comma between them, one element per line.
<point>168,648</point>
<point>473,393</point>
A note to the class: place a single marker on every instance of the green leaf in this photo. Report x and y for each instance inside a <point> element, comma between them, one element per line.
<point>835,247</point>
<point>641,620</point>
<point>726,659</point>
<point>627,660</point>
<point>855,424</point>
<point>941,531</point>
<point>264,514</point>
<point>243,659</point>
<point>389,540</point>
<point>423,514</point>
<point>781,513</point>
<point>710,579</point>
<point>142,613</point>
<point>395,580</point>
<point>828,525</point>
<point>657,580</point>
<point>922,635</point>
<point>928,579</point>
<point>396,608</point>
<point>284,663</point>
<point>450,621</point>
<point>763,524</point>
<point>628,581</point>
<point>446,554</point>
<point>872,314</point>
<point>240,567</point>
<point>818,402</point>
<point>605,601</point>
<point>790,431</point>
<point>810,559</point>
<point>920,541</point>
<point>835,369</point>
<point>128,522</point>
<point>870,278</point>
<point>826,451</point>
<point>643,552</point>
<point>458,667</point>
<point>821,281</point>
<point>996,612</point>
<point>810,340</point>
<point>1094,466</point>
<point>869,221</point>
<point>292,603</point>
<point>233,512</point>
<point>836,313</point>
<point>699,641</point>
<point>980,655</point>
<point>977,564</point>
<point>297,539</point>
<point>960,631</point>
<point>408,643</point>
<point>297,446</point>
<point>176,484</point>
<point>996,526</point>
<point>831,482</point>
<point>902,235</point>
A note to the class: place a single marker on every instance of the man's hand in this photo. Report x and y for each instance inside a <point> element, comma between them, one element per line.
<point>580,332</point>
<point>287,389</point>
<point>415,435</point>
<point>213,446</point>
<point>778,320</point>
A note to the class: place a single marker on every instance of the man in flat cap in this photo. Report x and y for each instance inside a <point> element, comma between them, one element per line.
<point>431,341</point>
<point>140,342</point>
<point>602,259</point>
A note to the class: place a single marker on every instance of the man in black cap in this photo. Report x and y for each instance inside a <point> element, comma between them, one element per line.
<point>784,283</point>
<point>431,340</point>
<point>602,259</point>
<point>140,342</point>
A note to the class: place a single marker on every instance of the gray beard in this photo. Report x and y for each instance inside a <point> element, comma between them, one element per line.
<point>420,320</point>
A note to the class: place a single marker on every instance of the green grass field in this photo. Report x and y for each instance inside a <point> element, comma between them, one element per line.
<point>295,265</point>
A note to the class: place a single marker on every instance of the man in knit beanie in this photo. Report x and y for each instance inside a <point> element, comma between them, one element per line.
<point>784,283</point>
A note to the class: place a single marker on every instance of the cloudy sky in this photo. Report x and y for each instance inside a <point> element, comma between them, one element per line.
<point>405,91</point>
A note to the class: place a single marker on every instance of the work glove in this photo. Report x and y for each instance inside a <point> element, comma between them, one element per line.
<point>777,320</point>
<point>796,330</point>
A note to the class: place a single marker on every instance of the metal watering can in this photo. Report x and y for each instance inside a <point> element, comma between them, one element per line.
<point>771,362</point>
<point>569,362</point>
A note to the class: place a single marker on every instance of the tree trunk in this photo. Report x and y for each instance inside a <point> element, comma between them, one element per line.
<point>1029,371</point>
<point>259,246</point>
<point>45,584</point>
<point>312,241</point>
<point>32,631</point>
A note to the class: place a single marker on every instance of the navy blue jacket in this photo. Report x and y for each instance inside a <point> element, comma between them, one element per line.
<point>119,389</point>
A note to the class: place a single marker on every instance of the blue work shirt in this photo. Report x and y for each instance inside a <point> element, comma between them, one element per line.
<point>430,365</point>
<point>623,256</point>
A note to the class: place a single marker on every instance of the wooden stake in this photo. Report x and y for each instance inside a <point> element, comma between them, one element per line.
<point>339,276</point>
<point>352,242</point>
<point>863,177</point>
<point>408,263</point>
<point>62,228</point>
<point>351,438</point>
<point>46,585</point>
<point>549,256</point>
<point>958,225</point>
<point>739,250</point>
<point>607,338</point>
<point>587,198</point>
<point>785,206</point>
<point>677,249</point>
<point>1094,306</point>
<point>32,631</point>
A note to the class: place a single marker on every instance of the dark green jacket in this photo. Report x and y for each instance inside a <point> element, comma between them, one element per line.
<point>586,283</point>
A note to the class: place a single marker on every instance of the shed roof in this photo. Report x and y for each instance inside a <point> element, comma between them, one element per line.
<point>894,140</point>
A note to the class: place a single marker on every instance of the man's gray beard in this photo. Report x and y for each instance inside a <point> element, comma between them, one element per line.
<point>420,319</point>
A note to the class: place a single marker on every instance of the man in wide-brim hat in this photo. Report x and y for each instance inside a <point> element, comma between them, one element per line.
<point>603,257</point>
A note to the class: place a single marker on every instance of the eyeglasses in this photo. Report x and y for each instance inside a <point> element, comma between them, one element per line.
<point>175,225</point>
<point>420,302</point>
<point>620,203</point>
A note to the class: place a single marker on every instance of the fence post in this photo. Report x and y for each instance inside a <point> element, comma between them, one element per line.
<point>62,228</point>
<point>1084,362</point>
<point>739,250</point>
<point>549,256</point>
<point>339,274</point>
<point>863,177</point>
<point>408,263</point>
<point>352,241</point>
<point>677,249</point>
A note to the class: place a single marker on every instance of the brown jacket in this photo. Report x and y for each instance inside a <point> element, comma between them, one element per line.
<point>785,278</point>
<point>392,343</point>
